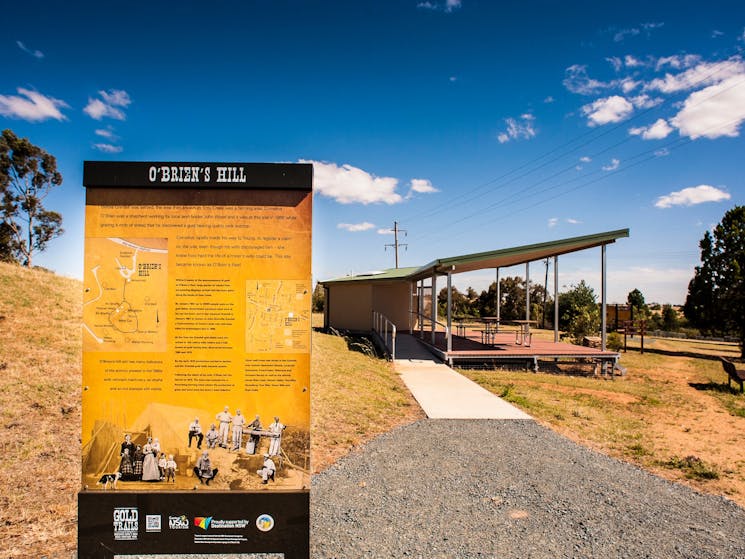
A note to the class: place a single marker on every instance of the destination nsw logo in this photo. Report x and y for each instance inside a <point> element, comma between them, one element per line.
<point>207,522</point>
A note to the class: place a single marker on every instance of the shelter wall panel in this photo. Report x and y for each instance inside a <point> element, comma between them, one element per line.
<point>393,301</point>
<point>350,307</point>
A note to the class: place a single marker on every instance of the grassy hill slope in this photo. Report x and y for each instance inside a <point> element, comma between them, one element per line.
<point>39,411</point>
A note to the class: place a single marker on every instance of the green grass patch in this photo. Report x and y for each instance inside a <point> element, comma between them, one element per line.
<point>692,467</point>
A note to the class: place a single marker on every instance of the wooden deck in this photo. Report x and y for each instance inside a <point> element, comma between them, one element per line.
<point>469,348</point>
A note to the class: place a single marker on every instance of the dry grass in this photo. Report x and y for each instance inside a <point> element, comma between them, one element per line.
<point>39,411</point>
<point>671,414</point>
<point>354,398</point>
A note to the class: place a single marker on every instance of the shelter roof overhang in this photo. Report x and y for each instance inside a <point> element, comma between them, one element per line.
<point>501,258</point>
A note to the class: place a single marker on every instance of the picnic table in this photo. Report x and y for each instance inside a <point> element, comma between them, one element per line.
<point>491,328</point>
<point>523,335</point>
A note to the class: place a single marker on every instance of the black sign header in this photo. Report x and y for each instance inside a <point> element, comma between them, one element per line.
<point>142,174</point>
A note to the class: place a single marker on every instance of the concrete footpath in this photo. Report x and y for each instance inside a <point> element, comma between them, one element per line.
<point>441,392</point>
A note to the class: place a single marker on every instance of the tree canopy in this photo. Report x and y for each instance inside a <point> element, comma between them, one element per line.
<point>716,294</point>
<point>27,175</point>
<point>512,295</point>
<point>578,312</point>
<point>635,299</point>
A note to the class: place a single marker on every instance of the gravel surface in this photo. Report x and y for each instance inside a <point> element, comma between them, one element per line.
<point>500,489</point>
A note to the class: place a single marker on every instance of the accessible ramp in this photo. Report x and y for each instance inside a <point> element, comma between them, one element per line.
<point>443,393</point>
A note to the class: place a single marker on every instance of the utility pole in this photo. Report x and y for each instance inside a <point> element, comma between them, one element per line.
<point>396,244</point>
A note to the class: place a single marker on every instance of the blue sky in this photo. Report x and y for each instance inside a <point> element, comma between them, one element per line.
<point>476,125</point>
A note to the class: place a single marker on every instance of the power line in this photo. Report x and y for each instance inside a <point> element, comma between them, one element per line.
<point>471,195</point>
<point>650,155</point>
<point>674,144</point>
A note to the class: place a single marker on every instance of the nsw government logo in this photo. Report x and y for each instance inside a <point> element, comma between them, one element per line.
<point>178,522</point>
<point>126,523</point>
<point>265,522</point>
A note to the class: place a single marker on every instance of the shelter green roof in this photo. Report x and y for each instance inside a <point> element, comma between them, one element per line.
<point>390,274</point>
<point>501,258</point>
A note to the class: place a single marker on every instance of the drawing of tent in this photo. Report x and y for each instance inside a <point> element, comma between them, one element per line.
<point>170,425</point>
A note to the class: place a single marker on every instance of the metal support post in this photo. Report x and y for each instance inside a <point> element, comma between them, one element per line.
<point>603,290</point>
<point>556,299</point>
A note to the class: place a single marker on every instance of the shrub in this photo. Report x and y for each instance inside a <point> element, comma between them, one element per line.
<point>614,341</point>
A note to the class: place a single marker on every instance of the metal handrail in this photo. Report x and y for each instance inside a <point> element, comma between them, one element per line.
<point>433,324</point>
<point>381,324</point>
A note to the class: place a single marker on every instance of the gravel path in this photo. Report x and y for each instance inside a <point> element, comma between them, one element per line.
<point>500,489</point>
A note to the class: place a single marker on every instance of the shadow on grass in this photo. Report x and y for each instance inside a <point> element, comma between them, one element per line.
<point>715,387</point>
<point>671,353</point>
<point>355,342</point>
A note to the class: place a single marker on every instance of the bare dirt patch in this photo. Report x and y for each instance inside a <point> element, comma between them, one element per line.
<point>672,414</point>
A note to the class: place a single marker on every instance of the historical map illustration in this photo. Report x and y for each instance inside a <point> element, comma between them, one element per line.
<point>126,292</point>
<point>277,316</point>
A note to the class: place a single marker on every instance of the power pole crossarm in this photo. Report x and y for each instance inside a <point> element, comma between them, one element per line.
<point>396,244</point>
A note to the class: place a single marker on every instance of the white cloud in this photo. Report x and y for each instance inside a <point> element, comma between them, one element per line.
<point>549,99</point>
<point>578,81</point>
<point>657,131</point>
<point>645,101</point>
<point>623,33</point>
<point>691,196</point>
<point>447,6</point>
<point>107,133</point>
<point>632,62</point>
<point>554,221</point>
<point>108,148</point>
<point>110,105</point>
<point>715,111</point>
<point>612,166</point>
<point>518,129</point>
<point>705,73</point>
<point>607,110</point>
<point>716,34</point>
<point>35,53</point>
<point>678,62</point>
<point>422,186</point>
<point>116,97</point>
<point>385,231</point>
<point>648,27</point>
<point>634,31</point>
<point>31,106</point>
<point>356,227</point>
<point>585,159</point>
<point>627,85</point>
<point>351,185</point>
<point>616,62</point>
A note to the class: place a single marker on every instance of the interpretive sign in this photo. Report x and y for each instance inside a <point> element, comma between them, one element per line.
<point>196,359</point>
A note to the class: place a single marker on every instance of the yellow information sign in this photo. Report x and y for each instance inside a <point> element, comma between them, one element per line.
<point>196,338</point>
